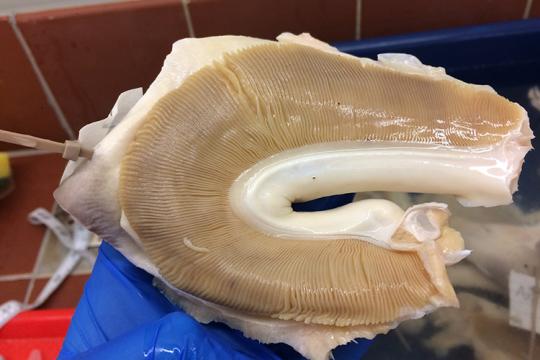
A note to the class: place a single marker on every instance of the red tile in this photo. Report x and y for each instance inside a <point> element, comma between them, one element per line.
<point>35,179</point>
<point>66,296</point>
<point>326,19</point>
<point>388,17</point>
<point>535,9</point>
<point>23,106</point>
<point>91,54</point>
<point>13,290</point>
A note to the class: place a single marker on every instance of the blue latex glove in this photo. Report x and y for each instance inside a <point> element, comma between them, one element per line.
<point>122,316</point>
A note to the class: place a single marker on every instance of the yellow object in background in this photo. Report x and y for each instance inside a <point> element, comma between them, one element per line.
<point>6,183</point>
<point>5,170</point>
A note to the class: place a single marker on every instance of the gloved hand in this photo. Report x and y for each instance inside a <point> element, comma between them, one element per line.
<point>122,316</point>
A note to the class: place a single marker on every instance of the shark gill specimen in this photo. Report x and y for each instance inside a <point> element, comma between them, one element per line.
<point>196,183</point>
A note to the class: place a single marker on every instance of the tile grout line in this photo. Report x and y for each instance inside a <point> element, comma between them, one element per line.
<point>187,15</point>
<point>358,20</point>
<point>39,6</point>
<point>15,277</point>
<point>527,10</point>
<point>39,257</point>
<point>23,276</point>
<point>61,118</point>
<point>45,275</point>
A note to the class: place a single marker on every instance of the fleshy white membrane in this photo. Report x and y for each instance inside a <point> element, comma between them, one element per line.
<point>262,196</point>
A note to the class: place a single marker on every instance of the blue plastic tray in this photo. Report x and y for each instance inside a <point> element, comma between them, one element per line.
<point>503,54</point>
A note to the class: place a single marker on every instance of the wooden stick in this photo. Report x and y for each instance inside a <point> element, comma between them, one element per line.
<point>70,150</point>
